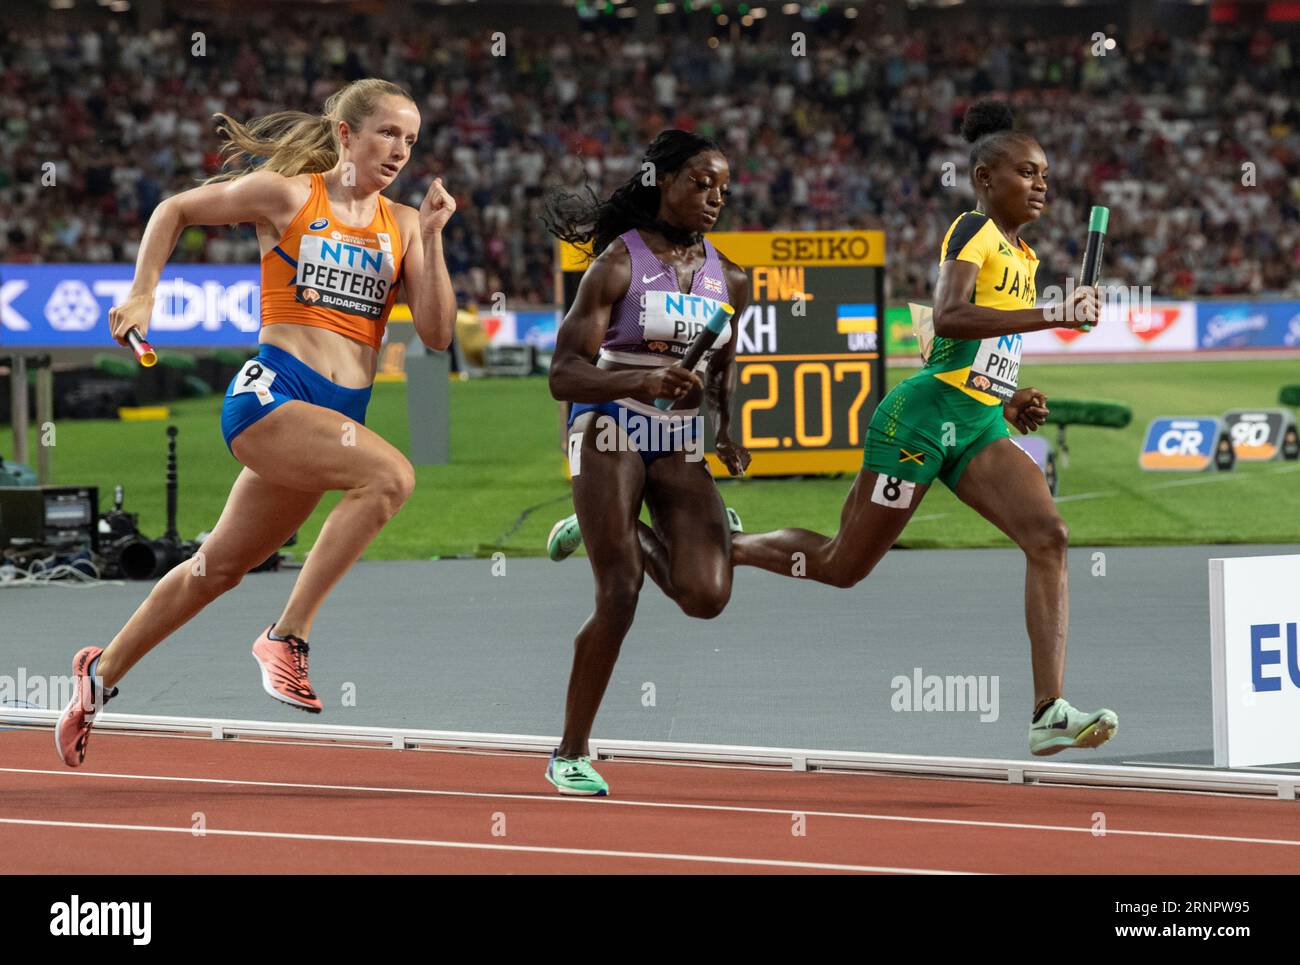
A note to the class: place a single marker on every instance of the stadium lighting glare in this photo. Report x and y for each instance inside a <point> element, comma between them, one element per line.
<point>626,12</point>
<point>60,4</point>
<point>747,21</point>
<point>120,6</point>
<point>723,20</point>
<point>790,9</point>
<point>850,13</point>
<point>664,8</point>
<point>758,13</point>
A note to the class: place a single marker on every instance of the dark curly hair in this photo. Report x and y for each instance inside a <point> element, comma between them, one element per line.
<point>581,217</point>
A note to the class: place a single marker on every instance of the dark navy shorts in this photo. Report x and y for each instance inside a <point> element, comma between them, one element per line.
<point>649,436</point>
<point>271,379</point>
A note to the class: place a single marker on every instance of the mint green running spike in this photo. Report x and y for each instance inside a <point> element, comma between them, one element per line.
<point>575,776</point>
<point>1062,727</point>
<point>564,539</point>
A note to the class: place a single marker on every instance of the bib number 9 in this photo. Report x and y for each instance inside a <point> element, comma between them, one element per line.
<point>256,378</point>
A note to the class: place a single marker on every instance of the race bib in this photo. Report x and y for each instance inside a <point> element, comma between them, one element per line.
<point>575,453</point>
<point>670,321</point>
<point>343,276</point>
<point>996,366</point>
<point>256,378</point>
<point>893,492</point>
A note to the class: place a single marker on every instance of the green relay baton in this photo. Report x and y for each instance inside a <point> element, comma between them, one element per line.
<point>1098,219</point>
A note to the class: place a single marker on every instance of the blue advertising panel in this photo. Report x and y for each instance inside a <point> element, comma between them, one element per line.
<point>538,328</point>
<point>66,305</point>
<point>1180,443</point>
<point>1248,325</point>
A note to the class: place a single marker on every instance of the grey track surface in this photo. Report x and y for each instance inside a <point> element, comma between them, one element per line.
<point>449,646</point>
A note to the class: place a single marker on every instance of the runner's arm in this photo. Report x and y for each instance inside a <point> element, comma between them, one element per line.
<point>956,317</point>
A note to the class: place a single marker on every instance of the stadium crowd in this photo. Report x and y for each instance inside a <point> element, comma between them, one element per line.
<point>1194,142</point>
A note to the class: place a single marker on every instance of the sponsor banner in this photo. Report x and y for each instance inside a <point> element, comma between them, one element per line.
<point>536,328</point>
<point>66,305</point>
<point>1255,660</point>
<point>1248,325</point>
<point>1259,435</point>
<point>1153,327</point>
<point>197,305</point>
<point>1181,443</point>
<point>749,248</point>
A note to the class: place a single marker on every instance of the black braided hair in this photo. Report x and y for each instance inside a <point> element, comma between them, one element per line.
<point>989,127</point>
<point>581,217</point>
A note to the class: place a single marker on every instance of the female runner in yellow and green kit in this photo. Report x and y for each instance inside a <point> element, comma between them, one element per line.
<point>948,421</point>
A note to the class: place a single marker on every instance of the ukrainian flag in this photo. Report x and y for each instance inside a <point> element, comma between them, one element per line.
<point>855,318</point>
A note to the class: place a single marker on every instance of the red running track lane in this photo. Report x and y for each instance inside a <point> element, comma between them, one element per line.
<point>271,807</point>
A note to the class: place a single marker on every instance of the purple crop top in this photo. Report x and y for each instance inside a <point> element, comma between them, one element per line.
<point>654,323</point>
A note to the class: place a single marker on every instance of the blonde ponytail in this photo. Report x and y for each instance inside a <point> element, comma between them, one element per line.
<point>293,142</point>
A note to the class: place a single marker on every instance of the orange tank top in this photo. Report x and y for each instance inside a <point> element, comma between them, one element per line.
<point>331,275</point>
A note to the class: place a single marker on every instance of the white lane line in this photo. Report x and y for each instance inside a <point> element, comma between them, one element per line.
<point>1110,493</point>
<point>613,802</point>
<point>1222,476</point>
<point>1209,477</point>
<point>1096,495</point>
<point>476,846</point>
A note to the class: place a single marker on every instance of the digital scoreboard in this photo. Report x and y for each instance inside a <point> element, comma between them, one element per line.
<point>809,347</point>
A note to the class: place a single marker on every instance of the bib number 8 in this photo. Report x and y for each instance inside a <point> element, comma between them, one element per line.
<point>893,492</point>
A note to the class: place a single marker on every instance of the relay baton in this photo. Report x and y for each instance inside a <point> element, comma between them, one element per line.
<point>1088,274</point>
<point>702,343</point>
<point>143,350</point>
